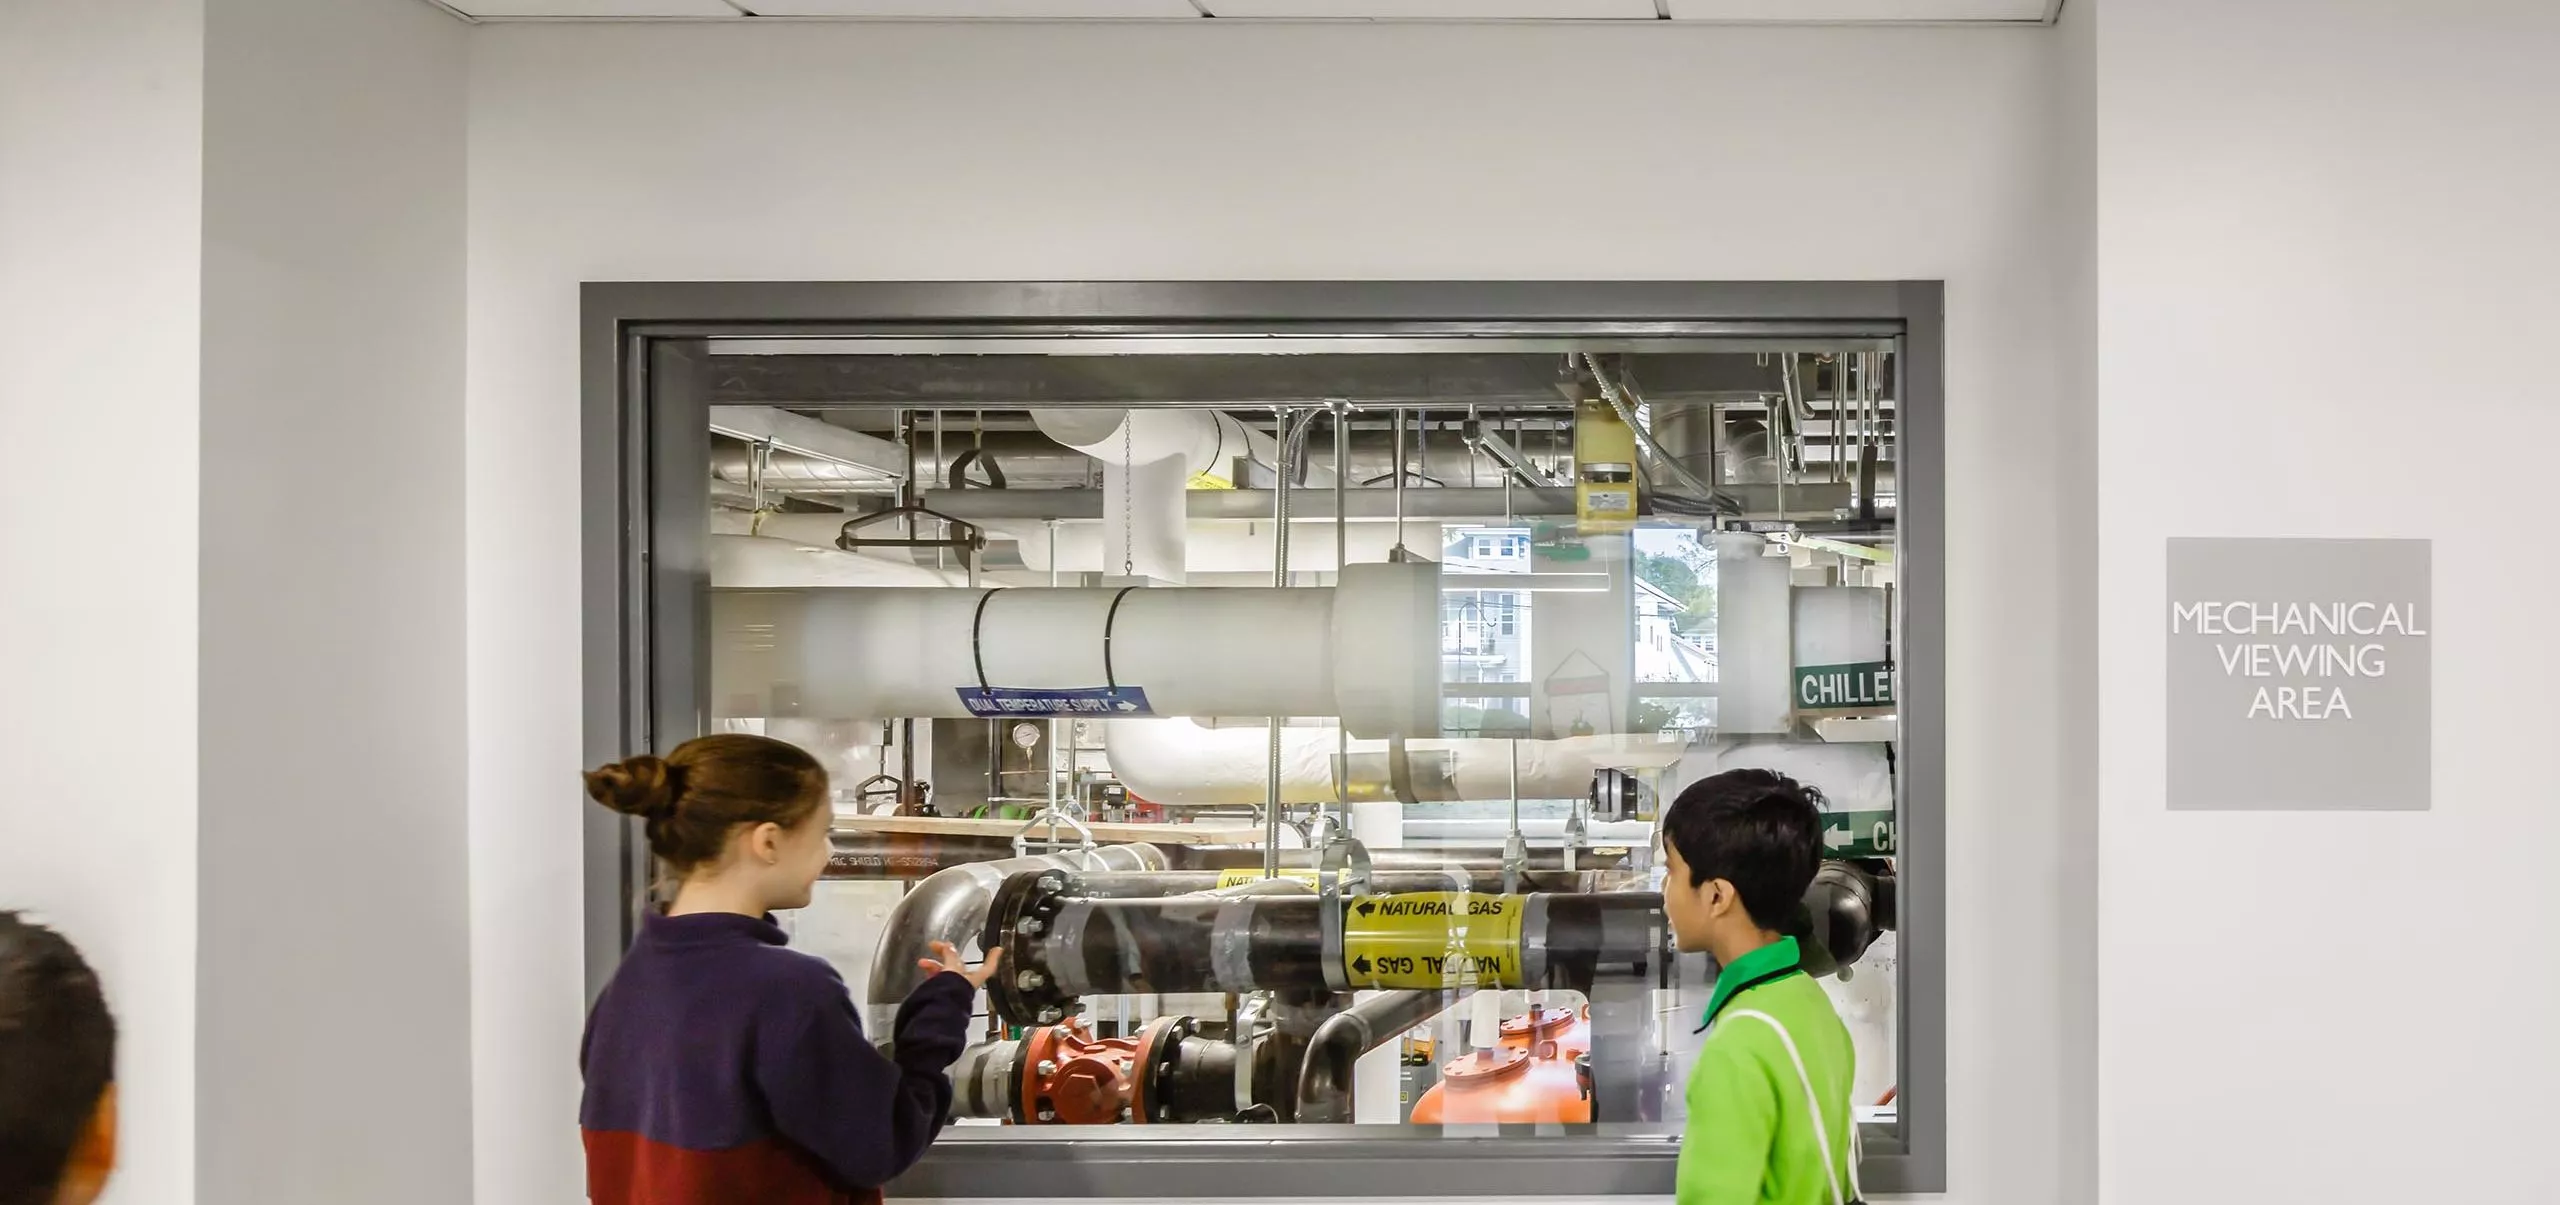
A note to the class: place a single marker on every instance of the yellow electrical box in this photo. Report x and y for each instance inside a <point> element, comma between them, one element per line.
<point>1604,468</point>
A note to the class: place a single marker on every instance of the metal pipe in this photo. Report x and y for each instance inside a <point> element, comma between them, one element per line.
<point>1054,723</point>
<point>1870,450</point>
<point>1515,846</point>
<point>952,906</point>
<point>1400,476</point>
<point>1324,1078</point>
<point>1474,859</point>
<point>984,1081</point>
<point>1159,884</point>
<point>1341,557</point>
<point>871,855</point>
<point>1254,505</point>
<point>1279,580</point>
<point>1060,948</point>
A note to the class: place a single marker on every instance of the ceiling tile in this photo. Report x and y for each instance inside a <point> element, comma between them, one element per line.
<point>1859,10</point>
<point>1435,10</point>
<point>503,9</point>
<point>966,10</point>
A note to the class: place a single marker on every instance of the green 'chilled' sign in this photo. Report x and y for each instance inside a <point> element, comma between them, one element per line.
<point>1857,834</point>
<point>1842,687</point>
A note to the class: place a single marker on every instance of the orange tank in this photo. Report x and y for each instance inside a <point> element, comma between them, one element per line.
<point>1506,1085</point>
<point>1568,1028</point>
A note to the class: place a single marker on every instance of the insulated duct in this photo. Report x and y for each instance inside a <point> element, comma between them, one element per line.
<point>1149,459</point>
<point>1207,442</point>
<point>1029,460</point>
<point>1366,650</point>
<point>1209,545</point>
<point>1175,761</point>
<point>766,562</point>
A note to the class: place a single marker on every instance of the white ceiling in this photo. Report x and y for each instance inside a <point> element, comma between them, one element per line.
<point>1748,11</point>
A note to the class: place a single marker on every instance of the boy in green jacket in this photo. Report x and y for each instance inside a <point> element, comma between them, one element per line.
<point>1769,1118</point>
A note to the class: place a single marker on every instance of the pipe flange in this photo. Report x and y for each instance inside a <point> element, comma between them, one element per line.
<point>1023,910</point>
<point>1533,940</point>
<point>1159,1048</point>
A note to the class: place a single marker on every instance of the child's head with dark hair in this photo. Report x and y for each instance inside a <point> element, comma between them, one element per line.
<point>57,1070</point>
<point>1742,847</point>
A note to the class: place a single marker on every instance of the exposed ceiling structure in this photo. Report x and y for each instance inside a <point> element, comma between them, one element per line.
<point>819,431</point>
<point>1687,11</point>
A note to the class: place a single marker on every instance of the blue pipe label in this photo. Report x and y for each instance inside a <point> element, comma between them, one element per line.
<point>1097,701</point>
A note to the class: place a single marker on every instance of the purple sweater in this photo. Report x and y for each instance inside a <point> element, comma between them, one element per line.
<point>722,1067</point>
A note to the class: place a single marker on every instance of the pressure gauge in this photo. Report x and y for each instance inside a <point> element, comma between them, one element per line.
<point>1026,735</point>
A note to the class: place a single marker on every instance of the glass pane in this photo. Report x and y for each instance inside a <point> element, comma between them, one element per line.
<point>1090,765</point>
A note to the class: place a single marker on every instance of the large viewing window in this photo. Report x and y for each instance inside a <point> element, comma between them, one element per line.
<point>1289,680</point>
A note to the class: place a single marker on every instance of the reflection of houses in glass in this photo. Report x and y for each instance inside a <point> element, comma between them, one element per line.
<point>1663,652</point>
<point>1484,634</point>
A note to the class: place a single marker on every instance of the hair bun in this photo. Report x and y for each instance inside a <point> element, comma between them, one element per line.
<point>642,786</point>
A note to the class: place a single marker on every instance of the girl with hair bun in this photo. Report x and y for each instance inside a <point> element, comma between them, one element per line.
<point>721,1066</point>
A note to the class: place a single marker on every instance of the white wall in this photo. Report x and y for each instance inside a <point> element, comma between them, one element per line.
<point>334,966</point>
<point>101,107</point>
<point>1181,152</point>
<point>2326,265</point>
<point>2073,678</point>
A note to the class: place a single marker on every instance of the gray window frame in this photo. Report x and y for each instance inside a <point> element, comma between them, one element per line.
<point>645,650</point>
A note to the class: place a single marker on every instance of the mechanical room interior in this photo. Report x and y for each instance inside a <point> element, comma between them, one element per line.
<point>1297,718</point>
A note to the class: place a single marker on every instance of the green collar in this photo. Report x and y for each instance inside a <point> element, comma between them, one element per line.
<point>1775,960</point>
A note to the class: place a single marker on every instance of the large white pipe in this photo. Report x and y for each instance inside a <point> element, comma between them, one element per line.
<point>1209,545</point>
<point>770,562</point>
<point>1207,441</point>
<point>1150,459</point>
<point>1226,545</point>
<point>1179,762</point>
<point>1366,650</point>
<point>1143,522</point>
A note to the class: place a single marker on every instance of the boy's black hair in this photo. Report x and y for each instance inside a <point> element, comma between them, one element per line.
<point>1756,829</point>
<point>57,1056</point>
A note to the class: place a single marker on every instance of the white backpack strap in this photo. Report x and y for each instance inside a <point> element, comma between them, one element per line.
<point>1813,1108</point>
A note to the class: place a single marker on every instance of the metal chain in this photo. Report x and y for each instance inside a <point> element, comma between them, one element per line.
<point>1128,491</point>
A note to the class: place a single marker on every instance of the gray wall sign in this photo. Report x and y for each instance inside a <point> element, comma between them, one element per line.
<point>2300,674</point>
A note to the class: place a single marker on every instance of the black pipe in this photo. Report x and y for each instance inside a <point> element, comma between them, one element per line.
<point>1060,948</point>
<point>1200,1085</point>
<point>1324,1078</point>
<point>1584,937</point>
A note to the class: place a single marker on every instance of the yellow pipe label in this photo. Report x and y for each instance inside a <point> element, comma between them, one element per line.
<point>1238,878</point>
<point>1210,481</point>
<point>1428,939</point>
